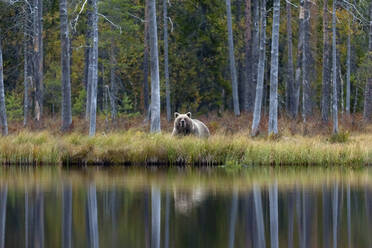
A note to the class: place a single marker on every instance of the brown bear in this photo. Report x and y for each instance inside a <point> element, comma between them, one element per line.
<point>184,125</point>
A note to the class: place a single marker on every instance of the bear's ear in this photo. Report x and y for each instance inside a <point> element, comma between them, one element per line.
<point>176,114</point>
<point>188,114</point>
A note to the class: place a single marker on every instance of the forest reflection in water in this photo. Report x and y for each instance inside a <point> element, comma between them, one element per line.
<point>213,207</point>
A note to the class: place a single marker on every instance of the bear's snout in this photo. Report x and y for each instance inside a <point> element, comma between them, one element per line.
<point>183,123</point>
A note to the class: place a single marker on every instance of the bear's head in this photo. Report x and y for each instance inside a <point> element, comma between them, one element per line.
<point>183,122</point>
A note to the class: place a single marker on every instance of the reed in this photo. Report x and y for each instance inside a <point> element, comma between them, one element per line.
<point>138,147</point>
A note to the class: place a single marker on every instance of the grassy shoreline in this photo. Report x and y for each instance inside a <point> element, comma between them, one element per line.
<point>137,147</point>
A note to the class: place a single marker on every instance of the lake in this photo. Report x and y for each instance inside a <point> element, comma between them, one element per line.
<point>55,206</point>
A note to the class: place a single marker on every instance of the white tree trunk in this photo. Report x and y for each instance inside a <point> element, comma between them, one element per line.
<point>65,65</point>
<point>154,64</point>
<point>3,118</point>
<point>260,72</point>
<point>348,72</point>
<point>93,67</point>
<point>234,81</point>
<point>334,71</point>
<point>273,112</point>
<point>166,67</point>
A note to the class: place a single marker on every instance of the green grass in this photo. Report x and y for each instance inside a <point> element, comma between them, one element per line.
<point>137,147</point>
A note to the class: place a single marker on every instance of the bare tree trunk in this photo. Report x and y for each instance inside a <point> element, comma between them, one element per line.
<point>355,99</point>
<point>255,52</point>
<point>38,57</point>
<point>25,66</point>
<point>146,61</point>
<point>260,72</point>
<point>348,71</point>
<point>234,81</point>
<point>3,118</point>
<point>88,59</point>
<point>248,57</point>
<point>306,88</point>
<point>65,65</point>
<point>326,69</point>
<point>155,216</point>
<point>290,73</point>
<point>274,222</point>
<point>93,67</point>
<point>299,73</point>
<point>273,112</point>
<point>92,214</point>
<point>368,91</point>
<point>154,59</point>
<point>334,70</point>
<point>113,86</point>
<point>166,72</point>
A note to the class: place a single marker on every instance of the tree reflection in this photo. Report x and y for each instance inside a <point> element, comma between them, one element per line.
<point>66,215</point>
<point>155,217</point>
<point>274,225</point>
<point>92,216</point>
<point>233,216</point>
<point>3,200</point>
<point>259,217</point>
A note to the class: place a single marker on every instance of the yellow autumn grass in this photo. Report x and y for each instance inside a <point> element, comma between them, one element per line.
<point>137,147</point>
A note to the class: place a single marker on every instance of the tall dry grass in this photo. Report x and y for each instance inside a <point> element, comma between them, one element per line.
<point>140,147</point>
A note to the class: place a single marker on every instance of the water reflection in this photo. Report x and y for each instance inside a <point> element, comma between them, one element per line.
<point>173,208</point>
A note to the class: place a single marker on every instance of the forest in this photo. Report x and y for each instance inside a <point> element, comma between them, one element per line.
<point>114,59</point>
<point>294,69</point>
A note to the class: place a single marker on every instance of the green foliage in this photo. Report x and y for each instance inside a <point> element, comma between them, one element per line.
<point>78,107</point>
<point>340,137</point>
<point>14,106</point>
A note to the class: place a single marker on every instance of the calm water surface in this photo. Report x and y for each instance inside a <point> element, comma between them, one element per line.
<point>206,207</point>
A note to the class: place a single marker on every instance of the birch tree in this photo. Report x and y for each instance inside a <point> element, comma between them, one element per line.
<point>154,63</point>
<point>65,65</point>
<point>146,60</point>
<point>4,122</point>
<point>93,68</point>
<point>38,57</point>
<point>166,72</point>
<point>88,58</point>
<point>325,68</point>
<point>368,90</point>
<point>334,71</point>
<point>260,72</point>
<point>255,51</point>
<point>234,81</point>
<point>298,72</point>
<point>273,112</point>
<point>348,57</point>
